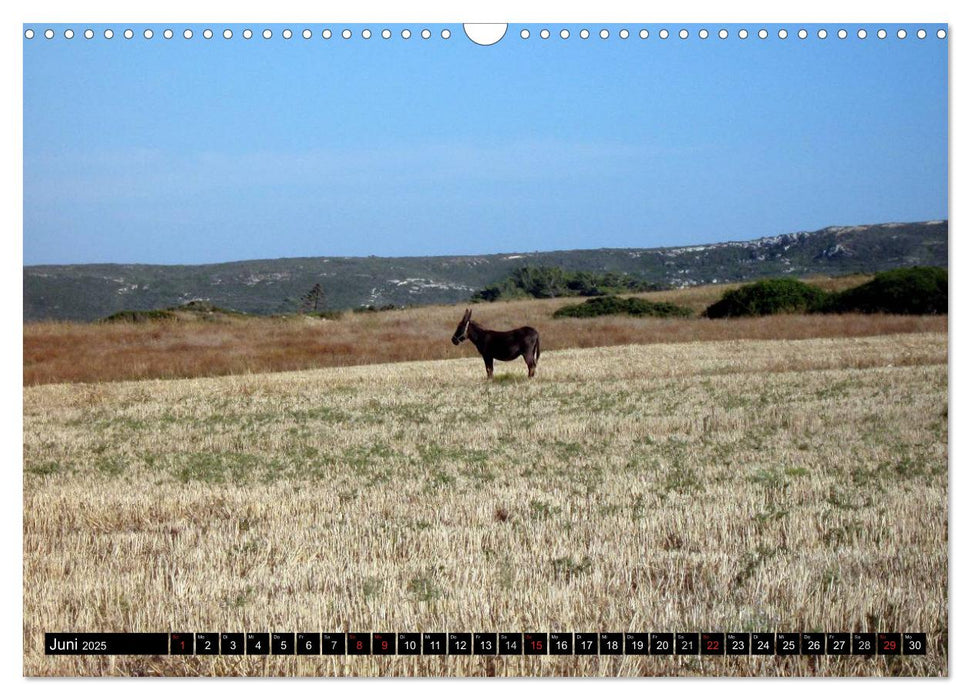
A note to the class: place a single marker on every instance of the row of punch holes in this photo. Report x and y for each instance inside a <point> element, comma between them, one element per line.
<point>446,33</point>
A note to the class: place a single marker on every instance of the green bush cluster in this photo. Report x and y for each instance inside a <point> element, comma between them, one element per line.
<point>610,305</point>
<point>772,296</point>
<point>371,308</point>
<point>913,290</point>
<point>203,309</point>
<point>552,282</point>
<point>139,316</point>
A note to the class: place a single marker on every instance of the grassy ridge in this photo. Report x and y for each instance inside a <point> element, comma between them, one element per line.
<point>89,292</point>
<point>757,485</point>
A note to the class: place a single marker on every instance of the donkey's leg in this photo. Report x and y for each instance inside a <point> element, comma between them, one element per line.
<point>530,357</point>
<point>488,364</point>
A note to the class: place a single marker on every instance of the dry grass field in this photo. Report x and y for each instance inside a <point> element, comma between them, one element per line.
<point>731,485</point>
<point>81,352</point>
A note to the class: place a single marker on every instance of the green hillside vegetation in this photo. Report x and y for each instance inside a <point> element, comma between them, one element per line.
<point>913,290</point>
<point>553,282</point>
<point>267,287</point>
<point>613,305</point>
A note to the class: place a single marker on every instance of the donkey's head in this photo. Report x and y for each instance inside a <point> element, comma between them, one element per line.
<point>461,332</point>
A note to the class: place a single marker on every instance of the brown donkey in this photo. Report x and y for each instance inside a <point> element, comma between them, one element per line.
<point>499,345</point>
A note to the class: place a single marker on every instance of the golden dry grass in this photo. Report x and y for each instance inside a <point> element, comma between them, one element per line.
<point>78,352</point>
<point>722,486</point>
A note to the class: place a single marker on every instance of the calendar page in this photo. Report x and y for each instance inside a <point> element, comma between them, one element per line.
<point>519,349</point>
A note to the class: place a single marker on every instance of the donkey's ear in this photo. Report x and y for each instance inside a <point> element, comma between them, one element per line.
<point>468,313</point>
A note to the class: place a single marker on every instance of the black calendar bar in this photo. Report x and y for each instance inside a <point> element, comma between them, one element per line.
<point>488,643</point>
<point>102,643</point>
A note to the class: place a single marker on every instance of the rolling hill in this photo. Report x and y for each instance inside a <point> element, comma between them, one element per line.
<point>89,292</point>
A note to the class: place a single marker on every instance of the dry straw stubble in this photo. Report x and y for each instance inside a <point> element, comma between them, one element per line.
<point>743,485</point>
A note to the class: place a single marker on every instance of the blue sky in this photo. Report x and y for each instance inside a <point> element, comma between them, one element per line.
<point>176,151</point>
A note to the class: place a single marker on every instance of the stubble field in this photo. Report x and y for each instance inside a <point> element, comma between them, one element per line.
<point>783,485</point>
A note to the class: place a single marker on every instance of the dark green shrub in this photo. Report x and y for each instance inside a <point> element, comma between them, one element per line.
<point>912,290</point>
<point>199,308</point>
<point>372,309</point>
<point>139,316</point>
<point>772,296</point>
<point>552,282</point>
<point>610,305</point>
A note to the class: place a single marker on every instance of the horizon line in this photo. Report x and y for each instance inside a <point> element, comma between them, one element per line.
<point>926,222</point>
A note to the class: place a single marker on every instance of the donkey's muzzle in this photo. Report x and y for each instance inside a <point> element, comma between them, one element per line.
<point>455,341</point>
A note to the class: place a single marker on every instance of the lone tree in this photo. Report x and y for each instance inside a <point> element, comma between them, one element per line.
<point>313,299</point>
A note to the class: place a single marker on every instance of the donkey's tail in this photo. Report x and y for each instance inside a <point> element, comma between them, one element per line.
<point>537,347</point>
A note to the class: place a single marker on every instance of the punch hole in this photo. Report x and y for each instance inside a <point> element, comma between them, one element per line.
<point>901,33</point>
<point>703,33</point>
<point>941,34</point>
<point>722,33</point>
<point>129,33</point>
<point>763,34</point>
<point>564,33</point>
<point>386,34</point>
<point>663,34</point>
<point>306,33</point>
<point>783,34</point>
<point>327,34</point>
<point>524,34</point>
<point>585,34</point>
<point>267,33</point>
<point>822,34</point>
<point>109,33</point>
<point>683,34</point>
<point>68,33</point>
<point>287,34</point>
<point>881,34</point>
<point>743,33</point>
<point>446,33</point>
<point>227,33</point>
<point>29,34</point>
<point>247,33</point>
<point>88,34</point>
<point>544,34</point>
<point>207,34</point>
<point>604,34</point>
<point>841,34</point>
<point>861,33</point>
<point>426,34</point>
<point>49,34</point>
<point>366,34</point>
<point>624,33</point>
<point>405,33</point>
<point>168,34</point>
<point>921,34</point>
<point>486,34</point>
<point>148,34</point>
<point>346,34</point>
<point>643,34</point>
<point>187,34</point>
<point>803,33</point>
